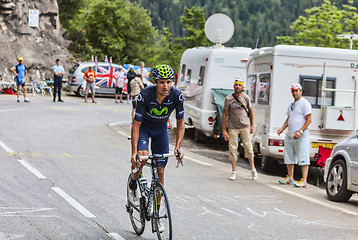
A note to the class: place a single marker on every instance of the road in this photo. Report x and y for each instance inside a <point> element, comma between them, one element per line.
<point>64,168</point>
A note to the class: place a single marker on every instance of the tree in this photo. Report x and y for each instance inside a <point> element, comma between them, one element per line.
<point>193,23</point>
<point>322,24</point>
<point>115,28</point>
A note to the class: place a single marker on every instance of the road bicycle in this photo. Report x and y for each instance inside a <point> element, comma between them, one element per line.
<point>40,87</point>
<point>153,204</point>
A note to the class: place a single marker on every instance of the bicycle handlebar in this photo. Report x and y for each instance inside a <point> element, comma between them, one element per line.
<point>157,157</point>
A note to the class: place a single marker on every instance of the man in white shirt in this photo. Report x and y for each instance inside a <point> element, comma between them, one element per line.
<point>297,137</point>
<point>143,72</point>
<point>119,76</point>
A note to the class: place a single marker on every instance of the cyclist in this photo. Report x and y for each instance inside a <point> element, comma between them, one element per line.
<point>21,73</point>
<point>154,105</point>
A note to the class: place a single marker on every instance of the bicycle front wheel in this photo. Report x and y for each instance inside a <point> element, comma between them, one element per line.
<point>136,210</point>
<point>162,219</point>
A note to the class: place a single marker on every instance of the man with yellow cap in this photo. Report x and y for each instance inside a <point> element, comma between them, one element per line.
<point>240,123</point>
<point>21,73</point>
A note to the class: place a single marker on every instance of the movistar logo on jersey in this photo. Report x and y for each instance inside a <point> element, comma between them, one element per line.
<point>157,112</point>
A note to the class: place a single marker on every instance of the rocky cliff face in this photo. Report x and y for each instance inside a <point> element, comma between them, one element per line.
<point>38,46</point>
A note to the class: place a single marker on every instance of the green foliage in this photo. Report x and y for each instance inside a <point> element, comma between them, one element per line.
<point>193,22</point>
<point>115,28</point>
<point>322,24</point>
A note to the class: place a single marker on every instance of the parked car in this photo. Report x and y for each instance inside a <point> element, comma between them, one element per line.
<point>105,81</point>
<point>341,170</point>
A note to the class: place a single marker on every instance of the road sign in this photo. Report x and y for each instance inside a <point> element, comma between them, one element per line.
<point>33,18</point>
<point>351,36</point>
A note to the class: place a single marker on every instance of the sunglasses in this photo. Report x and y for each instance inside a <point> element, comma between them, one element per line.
<point>294,90</point>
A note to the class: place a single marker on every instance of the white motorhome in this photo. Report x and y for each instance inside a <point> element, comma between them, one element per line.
<point>201,70</point>
<point>327,75</point>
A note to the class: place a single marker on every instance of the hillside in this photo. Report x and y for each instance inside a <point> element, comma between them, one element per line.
<point>263,19</point>
<point>38,46</point>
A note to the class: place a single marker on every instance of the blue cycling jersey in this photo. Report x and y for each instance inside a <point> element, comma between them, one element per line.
<point>20,70</point>
<point>150,111</point>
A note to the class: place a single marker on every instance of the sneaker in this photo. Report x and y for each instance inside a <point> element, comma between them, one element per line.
<point>161,227</point>
<point>60,100</point>
<point>94,101</point>
<point>233,176</point>
<point>254,174</point>
<point>121,101</point>
<point>286,180</point>
<point>133,196</point>
<point>301,183</point>
<point>18,100</point>
<point>116,101</point>
<point>26,101</point>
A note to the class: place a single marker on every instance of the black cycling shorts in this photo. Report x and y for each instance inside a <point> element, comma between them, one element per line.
<point>119,90</point>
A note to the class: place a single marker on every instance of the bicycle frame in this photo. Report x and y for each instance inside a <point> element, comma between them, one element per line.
<point>155,180</point>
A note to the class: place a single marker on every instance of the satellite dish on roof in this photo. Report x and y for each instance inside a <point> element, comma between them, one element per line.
<point>219,28</point>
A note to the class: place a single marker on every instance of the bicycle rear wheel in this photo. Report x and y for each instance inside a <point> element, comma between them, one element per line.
<point>162,218</point>
<point>136,211</point>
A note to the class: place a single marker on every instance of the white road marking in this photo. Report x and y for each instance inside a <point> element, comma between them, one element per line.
<point>6,148</point>
<point>186,157</point>
<point>317,201</point>
<point>24,212</point>
<point>235,213</point>
<point>115,236</point>
<point>73,202</point>
<point>207,211</point>
<point>279,212</point>
<point>23,162</point>
<point>11,110</point>
<point>31,169</point>
<point>123,134</point>
<point>250,227</point>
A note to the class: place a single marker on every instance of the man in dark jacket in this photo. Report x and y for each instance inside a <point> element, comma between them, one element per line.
<point>130,76</point>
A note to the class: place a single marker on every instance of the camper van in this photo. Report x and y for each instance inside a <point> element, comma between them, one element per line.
<point>201,70</point>
<point>329,80</point>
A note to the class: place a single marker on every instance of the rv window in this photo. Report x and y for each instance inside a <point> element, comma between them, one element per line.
<point>264,89</point>
<point>188,76</point>
<point>252,92</point>
<point>201,75</point>
<point>183,68</point>
<point>312,90</point>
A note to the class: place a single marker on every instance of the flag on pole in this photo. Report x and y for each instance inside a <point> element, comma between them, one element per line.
<point>95,60</point>
<point>92,59</point>
<point>110,61</point>
<point>106,59</point>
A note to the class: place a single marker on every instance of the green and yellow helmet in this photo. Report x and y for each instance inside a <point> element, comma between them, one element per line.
<point>162,72</point>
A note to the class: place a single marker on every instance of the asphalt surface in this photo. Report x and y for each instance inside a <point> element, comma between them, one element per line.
<point>64,168</point>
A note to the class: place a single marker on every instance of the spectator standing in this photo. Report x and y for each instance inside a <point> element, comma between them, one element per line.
<point>119,76</point>
<point>58,72</point>
<point>136,86</point>
<point>143,72</point>
<point>90,77</point>
<point>240,123</point>
<point>21,73</point>
<point>297,137</point>
<point>130,76</point>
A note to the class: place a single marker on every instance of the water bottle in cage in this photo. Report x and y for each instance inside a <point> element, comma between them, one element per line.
<point>143,183</point>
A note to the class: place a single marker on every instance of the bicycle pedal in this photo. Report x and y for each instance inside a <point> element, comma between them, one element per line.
<point>129,209</point>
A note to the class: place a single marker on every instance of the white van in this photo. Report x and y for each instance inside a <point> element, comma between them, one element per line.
<point>201,70</point>
<point>105,81</point>
<point>327,75</point>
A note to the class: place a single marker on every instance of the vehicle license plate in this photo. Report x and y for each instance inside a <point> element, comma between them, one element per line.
<point>325,145</point>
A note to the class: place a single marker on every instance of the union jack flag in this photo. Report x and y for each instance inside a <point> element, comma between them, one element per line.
<point>105,76</point>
